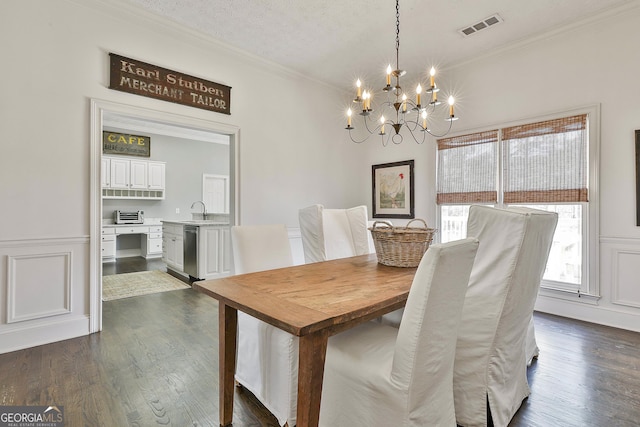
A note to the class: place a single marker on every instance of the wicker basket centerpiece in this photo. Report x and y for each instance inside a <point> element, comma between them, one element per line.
<point>401,246</point>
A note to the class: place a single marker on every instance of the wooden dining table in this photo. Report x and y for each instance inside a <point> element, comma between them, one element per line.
<point>311,301</point>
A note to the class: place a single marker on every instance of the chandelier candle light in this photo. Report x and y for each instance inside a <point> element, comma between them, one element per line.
<point>408,114</point>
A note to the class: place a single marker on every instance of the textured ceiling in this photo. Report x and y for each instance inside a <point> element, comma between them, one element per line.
<point>336,40</point>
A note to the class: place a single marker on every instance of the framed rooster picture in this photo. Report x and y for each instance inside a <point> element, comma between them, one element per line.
<point>393,190</point>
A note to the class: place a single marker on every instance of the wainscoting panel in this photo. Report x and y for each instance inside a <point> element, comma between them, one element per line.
<point>619,303</point>
<point>625,280</point>
<point>38,285</point>
<point>44,291</point>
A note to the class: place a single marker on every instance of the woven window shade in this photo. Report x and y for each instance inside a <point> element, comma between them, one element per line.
<point>467,169</point>
<point>546,162</point>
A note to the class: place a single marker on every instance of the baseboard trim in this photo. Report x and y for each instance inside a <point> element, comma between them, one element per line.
<point>14,338</point>
<point>600,314</point>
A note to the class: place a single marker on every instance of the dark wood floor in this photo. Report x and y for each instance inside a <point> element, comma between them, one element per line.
<point>155,363</point>
<point>132,265</point>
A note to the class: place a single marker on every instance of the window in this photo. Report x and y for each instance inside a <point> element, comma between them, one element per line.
<point>467,168</point>
<point>543,164</point>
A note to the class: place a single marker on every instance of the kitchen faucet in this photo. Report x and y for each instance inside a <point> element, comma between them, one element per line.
<point>204,208</point>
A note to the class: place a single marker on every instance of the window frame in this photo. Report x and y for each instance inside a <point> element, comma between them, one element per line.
<point>589,290</point>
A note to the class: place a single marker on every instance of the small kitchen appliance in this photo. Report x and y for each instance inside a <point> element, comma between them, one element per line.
<point>133,217</point>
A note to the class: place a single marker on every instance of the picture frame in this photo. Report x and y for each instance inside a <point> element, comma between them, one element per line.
<point>393,190</point>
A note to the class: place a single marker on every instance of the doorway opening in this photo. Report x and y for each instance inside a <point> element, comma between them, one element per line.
<point>173,137</point>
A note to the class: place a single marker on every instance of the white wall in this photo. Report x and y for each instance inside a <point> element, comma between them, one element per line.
<point>185,162</point>
<point>584,66</point>
<point>293,150</point>
<point>55,60</point>
<point>592,63</point>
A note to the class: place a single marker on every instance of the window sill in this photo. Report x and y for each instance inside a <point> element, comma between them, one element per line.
<point>574,296</point>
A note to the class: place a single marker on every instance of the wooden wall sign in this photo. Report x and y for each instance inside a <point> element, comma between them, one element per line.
<point>125,144</point>
<point>140,78</point>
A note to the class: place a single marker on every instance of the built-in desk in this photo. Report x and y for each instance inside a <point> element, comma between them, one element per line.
<point>150,240</point>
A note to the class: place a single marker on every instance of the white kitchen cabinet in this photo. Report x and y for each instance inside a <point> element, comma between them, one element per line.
<point>108,245</point>
<point>106,172</point>
<point>156,175</point>
<point>151,244</point>
<point>138,174</point>
<point>214,252</point>
<point>120,173</point>
<point>124,178</point>
<point>131,229</point>
<point>173,247</point>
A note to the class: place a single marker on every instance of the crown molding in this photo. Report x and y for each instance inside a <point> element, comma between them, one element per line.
<point>125,11</point>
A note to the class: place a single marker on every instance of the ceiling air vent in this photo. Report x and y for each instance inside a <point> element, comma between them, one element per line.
<point>485,23</point>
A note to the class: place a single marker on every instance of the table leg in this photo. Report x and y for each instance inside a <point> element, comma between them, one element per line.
<point>227,329</point>
<point>312,352</point>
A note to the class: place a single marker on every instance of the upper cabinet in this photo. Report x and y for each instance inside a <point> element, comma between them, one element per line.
<point>106,172</point>
<point>120,173</point>
<point>138,178</point>
<point>132,178</point>
<point>156,176</point>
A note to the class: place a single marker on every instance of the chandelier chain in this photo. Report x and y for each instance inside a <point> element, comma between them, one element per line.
<point>397,34</point>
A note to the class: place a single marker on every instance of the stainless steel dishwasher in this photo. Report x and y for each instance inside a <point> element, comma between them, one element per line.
<point>191,250</point>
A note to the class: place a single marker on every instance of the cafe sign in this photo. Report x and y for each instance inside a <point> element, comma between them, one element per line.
<point>140,78</point>
<point>125,144</point>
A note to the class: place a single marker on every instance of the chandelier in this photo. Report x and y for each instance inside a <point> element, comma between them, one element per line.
<point>400,110</point>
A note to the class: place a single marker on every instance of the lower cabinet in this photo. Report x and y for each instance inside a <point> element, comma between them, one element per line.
<point>214,249</point>
<point>214,252</point>
<point>108,245</point>
<point>172,247</point>
<point>151,243</point>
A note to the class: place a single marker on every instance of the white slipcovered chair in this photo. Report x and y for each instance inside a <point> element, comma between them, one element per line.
<point>379,376</point>
<point>531,349</point>
<point>490,359</point>
<point>267,357</point>
<point>333,233</point>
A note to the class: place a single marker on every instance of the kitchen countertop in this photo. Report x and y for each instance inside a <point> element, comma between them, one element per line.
<point>199,222</point>
<point>108,222</point>
<point>146,224</point>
